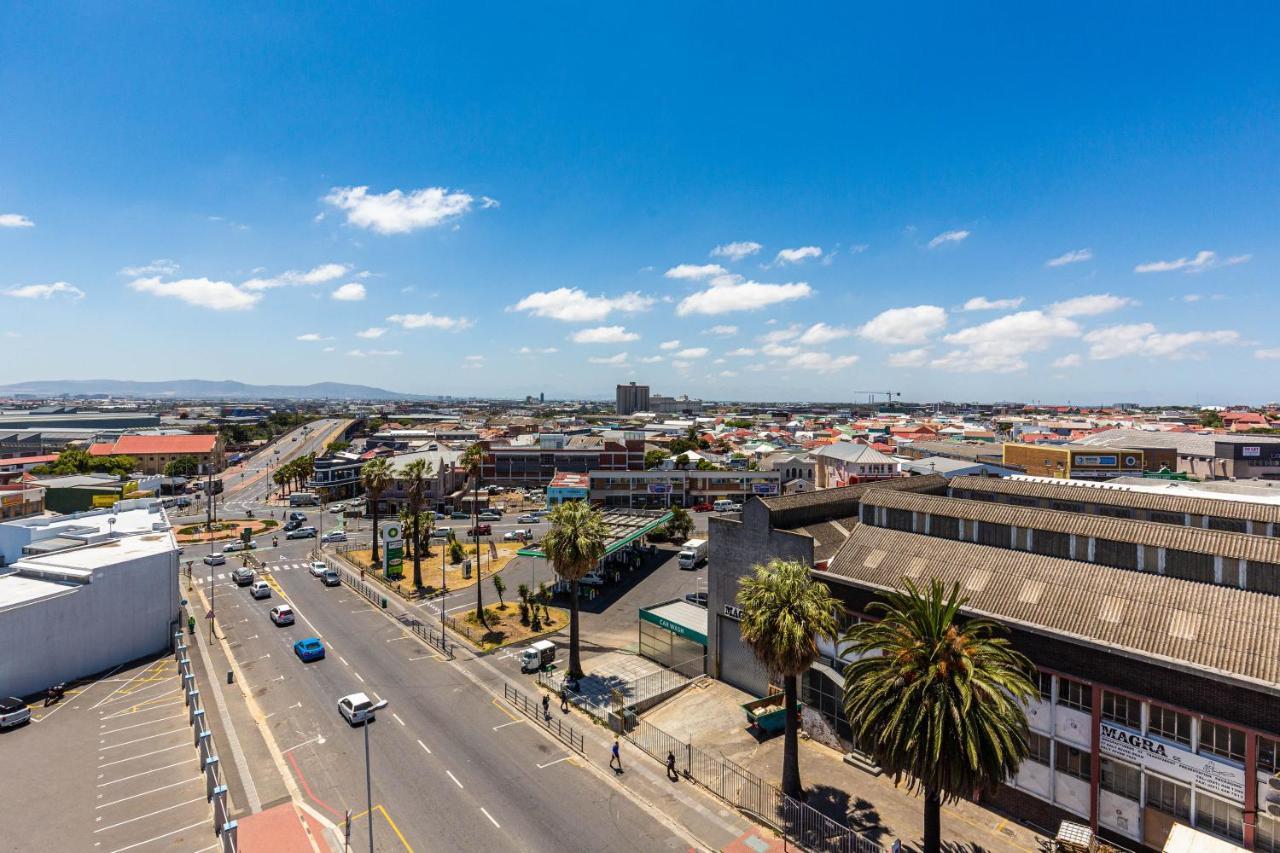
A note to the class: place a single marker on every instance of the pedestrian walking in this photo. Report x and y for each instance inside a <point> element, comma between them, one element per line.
<point>897,845</point>
<point>671,767</point>
<point>546,706</point>
<point>564,699</point>
<point>615,757</point>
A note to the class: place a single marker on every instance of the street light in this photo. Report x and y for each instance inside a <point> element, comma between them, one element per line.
<point>368,777</point>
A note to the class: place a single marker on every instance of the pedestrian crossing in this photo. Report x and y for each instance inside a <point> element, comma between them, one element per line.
<point>266,569</point>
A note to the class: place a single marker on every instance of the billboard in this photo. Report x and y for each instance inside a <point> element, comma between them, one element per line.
<point>764,488</point>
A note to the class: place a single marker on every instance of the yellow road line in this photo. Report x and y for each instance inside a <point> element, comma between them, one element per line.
<point>390,822</point>
<point>504,710</point>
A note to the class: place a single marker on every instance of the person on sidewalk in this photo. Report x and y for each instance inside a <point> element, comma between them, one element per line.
<point>671,767</point>
<point>615,757</point>
<point>546,706</point>
<point>564,699</point>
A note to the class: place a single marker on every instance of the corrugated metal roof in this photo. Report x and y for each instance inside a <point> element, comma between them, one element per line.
<point>1240,546</point>
<point>824,496</point>
<point>1233,632</point>
<point>1118,496</point>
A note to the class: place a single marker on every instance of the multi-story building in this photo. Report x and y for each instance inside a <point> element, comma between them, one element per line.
<point>533,465</point>
<point>632,398</point>
<point>1210,456</point>
<point>847,463</point>
<point>446,480</point>
<point>1069,461</point>
<point>664,488</point>
<point>19,502</point>
<point>153,452</point>
<point>336,476</point>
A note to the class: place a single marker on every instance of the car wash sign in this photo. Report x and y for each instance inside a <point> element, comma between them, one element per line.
<point>392,551</point>
<point>1204,771</point>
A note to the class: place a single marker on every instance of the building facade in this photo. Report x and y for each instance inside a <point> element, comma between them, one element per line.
<point>632,398</point>
<point>153,452</point>
<point>846,463</point>
<point>1074,461</point>
<point>662,488</point>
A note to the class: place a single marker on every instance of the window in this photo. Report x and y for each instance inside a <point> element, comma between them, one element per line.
<point>1170,725</point>
<point>1268,755</point>
<point>1168,517</point>
<point>1045,682</point>
<point>1218,816</point>
<point>1121,779</point>
<point>1072,761</point>
<point>1222,740</point>
<point>1122,709</point>
<point>1266,837</point>
<point>1039,748</point>
<point>1076,694</point>
<point>1168,797</point>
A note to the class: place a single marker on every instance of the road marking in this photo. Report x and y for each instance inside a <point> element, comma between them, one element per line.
<point>344,660</point>
<point>405,637</point>
<point>359,676</point>
<point>317,739</point>
<point>144,755</point>
<point>151,814</point>
<point>449,773</point>
<point>504,725</point>
<point>137,725</point>
<point>504,710</point>
<point>143,773</point>
<point>424,746</point>
<point>557,761</point>
<point>397,716</point>
<point>424,657</point>
<point>491,820</point>
<point>141,739</point>
<point>144,793</point>
<point>158,837</point>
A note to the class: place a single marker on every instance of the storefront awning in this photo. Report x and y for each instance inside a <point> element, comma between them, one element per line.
<point>679,617</point>
<point>625,527</point>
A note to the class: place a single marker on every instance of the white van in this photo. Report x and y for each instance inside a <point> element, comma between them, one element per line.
<point>724,506</point>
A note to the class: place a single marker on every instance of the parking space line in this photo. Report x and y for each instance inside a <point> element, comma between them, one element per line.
<point>144,793</point>
<point>140,740</point>
<point>424,746</point>
<point>139,709</point>
<point>139,725</point>
<point>127,683</point>
<point>144,755</point>
<point>557,761</point>
<point>151,814</point>
<point>143,773</point>
<point>449,773</point>
<point>359,676</point>
<point>504,710</point>
<point>504,725</point>
<point>491,820</point>
<point>158,837</point>
<point>397,716</point>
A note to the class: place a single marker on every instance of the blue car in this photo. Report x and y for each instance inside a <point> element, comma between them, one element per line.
<point>309,649</point>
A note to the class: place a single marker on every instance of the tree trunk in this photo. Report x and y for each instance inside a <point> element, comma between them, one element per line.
<point>374,501</point>
<point>932,821</point>
<point>575,661</point>
<point>791,742</point>
<point>417,557</point>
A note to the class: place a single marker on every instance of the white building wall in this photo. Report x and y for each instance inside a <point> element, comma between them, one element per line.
<point>1120,814</point>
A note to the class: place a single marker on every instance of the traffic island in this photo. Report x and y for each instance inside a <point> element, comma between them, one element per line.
<point>196,533</point>
<point>509,626</point>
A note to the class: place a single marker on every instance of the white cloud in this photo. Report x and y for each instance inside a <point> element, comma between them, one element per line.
<point>312,336</point>
<point>982,303</point>
<point>780,335</point>
<point>614,360</point>
<point>669,345</point>
<point>44,291</point>
<point>604,335</point>
<point>328,349</point>
<point>651,359</point>
<point>682,366</point>
<point>1142,339</point>
<point>998,346</point>
<point>1073,257</point>
<point>692,353</point>
<point>695,272</point>
<point>373,353</point>
<point>736,251</point>
<point>821,362</point>
<point>350,292</point>
<point>472,362</point>
<point>723,330</point>
<point>13,335</point>
<point>201,292</point>
<point>1193,297</point>
<point>430,321</point>
<point>741,352</point>
<point>15,220</point>
<point>574,306</point>
<point>396,212</point>
<point>910,358</point>
<point>536,350</point>
<point>779,350</point>
<point>948,237</point>
<point>1202,261</point>
<point>733,293</point>
<point>820,333</point>
<point>1090,306</point>
<point>912,325</point>
<point>371,333</point>
<point>316,275</point>
<point>1267,354</point>
<point>1072,360</point>
<point>797,255</point>
<point>160,266</point>
<point>728,374</point>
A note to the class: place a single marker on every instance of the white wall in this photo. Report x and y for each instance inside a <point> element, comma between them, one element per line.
<point>1120,813</point>
<point>1040,717</point>
<point>1035,778</point>
<point>1071,793</point>
<point>1073,726</point>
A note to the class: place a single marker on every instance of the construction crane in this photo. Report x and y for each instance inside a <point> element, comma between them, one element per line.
<point>888,395</point>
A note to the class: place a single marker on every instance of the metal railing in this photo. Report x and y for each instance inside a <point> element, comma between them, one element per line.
<point>435,638</point>
<point>798,822</point>
<point>532,709</point>
<point>214,782</point>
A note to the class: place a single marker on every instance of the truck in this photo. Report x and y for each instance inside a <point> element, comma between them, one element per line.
<point>693,554</point>
<point>303,499</point>
<point>537,655</point>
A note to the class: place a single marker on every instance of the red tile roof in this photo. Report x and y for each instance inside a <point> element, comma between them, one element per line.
<point>146,445</point>
<point>28,460</point>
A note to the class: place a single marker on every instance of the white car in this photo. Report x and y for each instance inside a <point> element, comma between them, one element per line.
<point>528,518</point>
<point>356,708</point>
<point>336,508</point>
<point>334,536</point>
<point>237,545</point>
<point>517,535</point>
<point>282,614</point>
<point>13,712</point>
<point>318,569</point>
<point>260,589</point>
<point>217,558</point>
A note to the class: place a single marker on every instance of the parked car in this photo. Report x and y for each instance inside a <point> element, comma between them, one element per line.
<point>480,529</point>
<point>237,545</point>
<point>318,568</point>
<point>490,515</point>
<point>517,536</point>
<point>215,559</point>
<point>331,578</point>
<point>282,614</point>
<point>527,518</point>
<point>302,533</point>
<point>291,525</point>
<point>356,708</point>
<point>698,598</point>
<point>334,536</point>
<point>441,534</point>
<point>336,508</point>
<point>13,712</point>
<point>260,589</point>
<point>439,516</point>
<point>703,507</point>
<point>592,578</point>
<point>242,576</point>
<point>298,516</point>
<point>309,649</point>
<point>459,516</point>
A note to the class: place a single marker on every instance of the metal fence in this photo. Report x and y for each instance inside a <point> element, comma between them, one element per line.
<point>797,821</point>
<point>214,785</point>
<point>378,597</point>
<point>532,709</point>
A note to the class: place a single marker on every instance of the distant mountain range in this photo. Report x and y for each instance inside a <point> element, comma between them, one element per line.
<point>202,389</point>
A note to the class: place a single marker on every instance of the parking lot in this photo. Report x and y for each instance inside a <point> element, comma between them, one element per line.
<point>127,769</point>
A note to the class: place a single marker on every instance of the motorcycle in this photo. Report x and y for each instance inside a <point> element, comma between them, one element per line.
<point>55,694</point>
<point>275,542</point>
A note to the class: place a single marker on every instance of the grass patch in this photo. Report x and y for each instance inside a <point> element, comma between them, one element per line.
<point>505,627</point>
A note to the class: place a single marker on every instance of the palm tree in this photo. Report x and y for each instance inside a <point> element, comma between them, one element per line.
<point>375,476</point>
<point>472,462</point>
<point>279,477</point>
<point>784,612</point>
<point>416,474</point>
<point>575,543</point>
<point>936,701</point>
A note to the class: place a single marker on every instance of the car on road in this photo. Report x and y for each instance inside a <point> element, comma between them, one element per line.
<point>13,712</point>
<point>317,569</point>
<point>334,536</point>
<point>260,589</point>
<point>490,515</point>
<point>698,598</point>
<point>217,558</point>
<point>237,545</point>
<point>282,614</point>
<point>439,516</point>
<point>331,578</point>
<point>527,518</point>
<point>242,576</point>
<point>517,536</point>
<point>356,708</point>
<point>298,516</point>
<point>480,529</point>
<point>336,508</point>
<point>309,649</point>
<point>291,525</point>
<point>703,507</point>
<point>459,516</point>
<point>302,533</point>
<point>441,534</point>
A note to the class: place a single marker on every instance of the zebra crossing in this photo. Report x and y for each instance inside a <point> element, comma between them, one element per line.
<point>266,569</point>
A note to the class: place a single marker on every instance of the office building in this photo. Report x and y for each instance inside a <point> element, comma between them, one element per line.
<point>632,398</point>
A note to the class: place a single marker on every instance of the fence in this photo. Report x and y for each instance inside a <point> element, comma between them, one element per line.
<point>215,788</point>
<point>797,821</point>
<point>435,638</point>
<point>532,709</point>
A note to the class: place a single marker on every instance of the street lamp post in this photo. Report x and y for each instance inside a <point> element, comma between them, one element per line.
<point>368,774</point>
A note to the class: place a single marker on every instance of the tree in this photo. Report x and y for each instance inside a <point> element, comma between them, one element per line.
<point>337,446</point>
<point>784,612</point>
<point>375,476</point>
<point>936,701</point>
<point>472,462</point>
<point>653,458</point>
<point>681,523</point>
<point>682,461</point>
<point>120,466</point>
<point>280,477</point>
<point>575,543</point>
<point>416,475</point>
<point>1210,418</point>
<point>704,465</point>
<point>523,591</point>
<point>501,586</point>
<point>183,466</point>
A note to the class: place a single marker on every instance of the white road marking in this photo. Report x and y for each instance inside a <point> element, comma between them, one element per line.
<point>137,725</point>
<point>504,725</point>
<point>394,639</point>
<point>424,746</point>
<point>449,773</point>
<point>144,793</point>
<point>491,820</point>
<point>151,814</point>
<point>143,773</point>
<point>557,761</point>
<point>317,739</point>
<point>141,739</point>
<point>158,837</point>
<point>144,755</point>
<point>344,660</point>
<point>397,716</point>
<point>359,676</point>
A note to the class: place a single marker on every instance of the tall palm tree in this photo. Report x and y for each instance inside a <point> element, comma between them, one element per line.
<point>280,477</point>
<point>375,476</point>
<point>575,543</point>
<point>939,702</point>
<point>415,474</point>
<point>784,612</point>
<point>472,462</point>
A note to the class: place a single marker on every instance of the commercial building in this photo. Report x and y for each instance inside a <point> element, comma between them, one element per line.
<point>1208,456</point>
<point>57,417</point>
<point>446,480</point>
<point>663,488</point>
<point>846,463</point>
<point>681,405</point>
<point>336,476</point>
<point>153,452</point>
<point>1074,461</point>
<point>19,502</point>
<point>568,486</point>
<point>632,398</point>
<point>533,465</point>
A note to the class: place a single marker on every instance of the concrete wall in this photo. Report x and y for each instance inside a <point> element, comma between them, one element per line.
<point>127,612</point>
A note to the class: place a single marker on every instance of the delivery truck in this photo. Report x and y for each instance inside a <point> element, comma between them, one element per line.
<point>693,554</point>
<point>537,655</point>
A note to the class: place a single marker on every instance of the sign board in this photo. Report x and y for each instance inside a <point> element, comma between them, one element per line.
<point>733,611</point>
<point>1251,451</point>
<point>1166,759</point>
<point>11,500</point>
<point>764,488</point>
<point>393,550</point>
<point>674,627</point>
<point>246,535</point>
<point>105,500</point>
<point>659,488</point>
<point>1101,461</point>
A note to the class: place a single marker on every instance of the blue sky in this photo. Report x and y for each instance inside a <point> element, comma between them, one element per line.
<point>957,202</point>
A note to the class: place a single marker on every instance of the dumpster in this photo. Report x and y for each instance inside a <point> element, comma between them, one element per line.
<point>768,714</point>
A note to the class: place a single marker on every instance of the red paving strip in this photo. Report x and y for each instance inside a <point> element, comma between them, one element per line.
<point>311,794</point>
<point>754,841</point>
<point>279,828</point>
